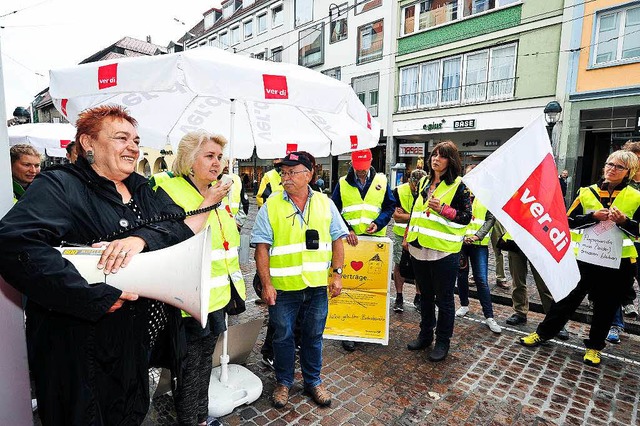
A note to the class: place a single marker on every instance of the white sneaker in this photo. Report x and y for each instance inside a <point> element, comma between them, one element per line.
<point>493,325</point>
<point>462,311</point>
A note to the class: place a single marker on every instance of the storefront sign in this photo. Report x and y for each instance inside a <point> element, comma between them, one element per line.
<point>361,311</point>
<point>433,126</point>
<point>494,142</point>
<point>464,124</point>
<point>411,150</point>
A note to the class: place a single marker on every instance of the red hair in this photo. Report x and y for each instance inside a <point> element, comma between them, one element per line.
<point>90,122</point>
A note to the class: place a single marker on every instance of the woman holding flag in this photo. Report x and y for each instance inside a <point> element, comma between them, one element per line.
<point>610,201</point>
<point>437,226</point>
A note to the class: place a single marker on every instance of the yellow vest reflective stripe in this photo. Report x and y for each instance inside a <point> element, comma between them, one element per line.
<point>406,201</point>
<point>479,216</point>
<point>272,177</point>
<point>292,266</point>
<point>429,228</point>
<point>359,213</point>
<point>224,263</point>
<point>627,202</point>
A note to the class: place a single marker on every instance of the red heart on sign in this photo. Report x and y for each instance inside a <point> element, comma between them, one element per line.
<point>356,265</point>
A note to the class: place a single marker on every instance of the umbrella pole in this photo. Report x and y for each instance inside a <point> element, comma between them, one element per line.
<point>232,120</point>
<point>224,358</point>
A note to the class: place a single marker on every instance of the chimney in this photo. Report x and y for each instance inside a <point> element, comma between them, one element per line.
<point>148,39</point>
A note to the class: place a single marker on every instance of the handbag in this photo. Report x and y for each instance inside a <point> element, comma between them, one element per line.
<point>236,304</point>
<point>405,266</point>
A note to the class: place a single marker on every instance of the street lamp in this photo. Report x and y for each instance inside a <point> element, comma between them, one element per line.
<point>552,115</point>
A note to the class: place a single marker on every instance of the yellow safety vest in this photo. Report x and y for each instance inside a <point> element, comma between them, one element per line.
<point>272,177</point>
<point>159,178</point>
<point>406,202</point>
<point>359,213</point>
<point>224,261</point>
<point>479,216</point>
<point>292,265</point>
<point>627,202</point>
<point>430,228</point>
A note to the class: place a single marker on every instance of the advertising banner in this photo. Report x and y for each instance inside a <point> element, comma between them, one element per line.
<point>361,312</point>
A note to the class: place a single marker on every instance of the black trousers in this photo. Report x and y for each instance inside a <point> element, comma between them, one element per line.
<point>606,287</point>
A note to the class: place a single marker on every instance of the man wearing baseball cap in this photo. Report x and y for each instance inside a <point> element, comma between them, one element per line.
<point>295,231</point>
<point>365,201</point>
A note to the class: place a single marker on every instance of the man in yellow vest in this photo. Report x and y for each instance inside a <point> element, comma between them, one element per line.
<point>269,183</point>
<point>298,235</point>
<point>405,195</point>
<point>365,202</point>
<point>25,166</point>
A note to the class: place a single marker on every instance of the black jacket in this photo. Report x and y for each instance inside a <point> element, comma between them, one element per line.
<point>90,367</point>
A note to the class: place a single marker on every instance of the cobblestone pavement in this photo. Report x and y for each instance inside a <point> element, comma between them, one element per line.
<point>487,379</point>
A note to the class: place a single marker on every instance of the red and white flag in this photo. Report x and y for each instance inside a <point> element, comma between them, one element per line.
<point>519,184</point>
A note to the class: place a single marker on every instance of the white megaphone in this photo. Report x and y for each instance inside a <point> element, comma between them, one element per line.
<point>177,275</point>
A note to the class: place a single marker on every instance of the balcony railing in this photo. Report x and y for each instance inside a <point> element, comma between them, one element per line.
<point>488,91</point>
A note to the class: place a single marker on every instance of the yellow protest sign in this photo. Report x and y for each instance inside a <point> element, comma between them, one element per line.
<point>360,313</point>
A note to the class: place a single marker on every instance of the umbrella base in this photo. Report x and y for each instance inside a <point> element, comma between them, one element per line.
<point>242,387</point>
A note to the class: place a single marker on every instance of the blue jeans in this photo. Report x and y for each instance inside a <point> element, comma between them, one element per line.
<point>313,305</point>
<point>436,280</point>
<point>618,321</point>
<point>479,260</point>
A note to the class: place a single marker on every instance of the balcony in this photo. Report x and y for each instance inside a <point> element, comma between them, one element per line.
<point>470,94</point>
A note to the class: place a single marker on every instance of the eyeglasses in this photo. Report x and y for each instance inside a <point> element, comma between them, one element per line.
<point>292,173</point>
<point>616,167</point>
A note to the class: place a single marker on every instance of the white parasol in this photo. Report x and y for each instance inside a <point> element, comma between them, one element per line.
<point>51,138</point>
<point>279,107</point>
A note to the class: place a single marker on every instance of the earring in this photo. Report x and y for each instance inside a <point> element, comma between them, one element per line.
<point>191,172</point>
<point>90,158</point>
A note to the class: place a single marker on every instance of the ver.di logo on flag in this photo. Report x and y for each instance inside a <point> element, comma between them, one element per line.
<point>538,207</point>
<point>275,86</point>
<point>107,76</point>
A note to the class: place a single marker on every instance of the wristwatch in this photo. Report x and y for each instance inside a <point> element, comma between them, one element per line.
<point>337,271</point>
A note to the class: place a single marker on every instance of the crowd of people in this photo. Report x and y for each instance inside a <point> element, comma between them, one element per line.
<point>91,345</point>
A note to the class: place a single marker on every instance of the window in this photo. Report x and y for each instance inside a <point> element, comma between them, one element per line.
<point>277,16</point>
<point>476,69</point>
<point>366,87</point>
<point>338,22</point>
<point>259,56</point>
<point>617,36</point>
<point>311,46</point>
<point>224,40</point>
<point>370,42</point>
<point>333,73</point>
<point>480,76</point>
<point>213,41</point>
<point>261,22</point>
<point>248,29</point>
<point>303,12</point>
<point>502,71</point>
<point>366,5</point>
<point>436,12</point>
<point>276,54</point>
<point>235,35</point>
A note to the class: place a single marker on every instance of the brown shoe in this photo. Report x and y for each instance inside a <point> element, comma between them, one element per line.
<point>320,395</point>
<point>280,395</point>
<point>503,284</point>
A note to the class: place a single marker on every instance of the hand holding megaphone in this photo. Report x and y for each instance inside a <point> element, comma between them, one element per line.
<point>215,193</point>
<point>118,253</point>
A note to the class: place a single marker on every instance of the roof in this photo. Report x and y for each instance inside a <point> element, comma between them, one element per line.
<point>125,47</point>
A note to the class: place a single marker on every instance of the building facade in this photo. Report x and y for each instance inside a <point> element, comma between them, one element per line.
<point>602,109</point>
<point>472,71</point>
